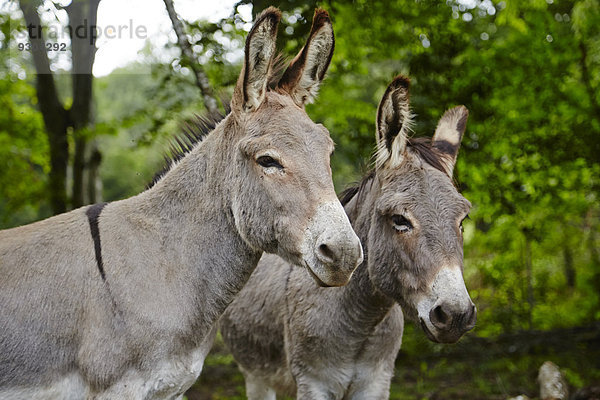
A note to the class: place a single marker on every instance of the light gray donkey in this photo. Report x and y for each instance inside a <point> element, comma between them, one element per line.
<point>291,337</point>
<point>120,300</point>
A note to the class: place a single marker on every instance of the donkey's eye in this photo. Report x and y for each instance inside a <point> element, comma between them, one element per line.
<point>401,223</point>
<point>268,162</point>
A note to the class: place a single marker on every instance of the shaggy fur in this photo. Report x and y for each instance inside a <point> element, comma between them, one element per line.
<point>291,337</point>
<point>121,302</point>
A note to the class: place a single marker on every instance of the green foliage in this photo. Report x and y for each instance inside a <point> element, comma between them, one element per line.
<point>530,160</point>
<point>528,71</point>
<point>141,112</point>
<point>24,158</point>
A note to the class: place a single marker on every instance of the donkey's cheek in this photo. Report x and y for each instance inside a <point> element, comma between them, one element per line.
<point>255,226</point>
<point>289,240</point>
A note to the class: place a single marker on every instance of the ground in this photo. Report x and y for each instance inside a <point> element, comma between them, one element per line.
<point>475,368</point>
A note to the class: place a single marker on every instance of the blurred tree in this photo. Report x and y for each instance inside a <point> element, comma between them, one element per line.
<point>24,160</point>
<point>189,59</point>
<point>58,119</point>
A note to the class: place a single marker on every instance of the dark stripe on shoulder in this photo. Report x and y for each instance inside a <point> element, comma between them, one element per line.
<point>93,212</point>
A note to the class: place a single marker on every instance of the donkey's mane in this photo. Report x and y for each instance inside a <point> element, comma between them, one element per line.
<point>422,146</point>
<point>195,129</point>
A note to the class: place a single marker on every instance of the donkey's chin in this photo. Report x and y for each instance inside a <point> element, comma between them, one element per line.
<point>324,275</point>
<point>315,277</point>
<point>439,336</point>
<point>326,278</point>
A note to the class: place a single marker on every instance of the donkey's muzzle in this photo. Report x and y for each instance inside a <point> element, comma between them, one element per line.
<point>452,322</point>
<point>340,254</point>
<point>345,252</point>
<point>447,311</point>
<point>333,250</point>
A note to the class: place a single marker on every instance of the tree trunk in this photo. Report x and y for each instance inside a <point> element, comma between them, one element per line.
<point>527,260</point>
<point>591,219</point>
<point>55,116</point>
<point>78,171</point>
<point>94,183</point>
<point>82,22</point>
<point>569,268</point>
<point>189,60</point>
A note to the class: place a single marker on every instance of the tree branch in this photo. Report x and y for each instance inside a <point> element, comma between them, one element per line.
<point>188,57</point>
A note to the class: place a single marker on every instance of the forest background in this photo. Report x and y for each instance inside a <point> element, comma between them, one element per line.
<point>528,71</point>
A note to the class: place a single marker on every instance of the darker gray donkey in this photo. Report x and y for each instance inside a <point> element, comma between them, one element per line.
<point>291,337</point>
<point>120,300</point>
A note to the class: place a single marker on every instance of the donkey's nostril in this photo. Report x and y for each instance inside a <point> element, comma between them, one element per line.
<point>439,317</point>
<point>440,314</point>
<point>325,254</point>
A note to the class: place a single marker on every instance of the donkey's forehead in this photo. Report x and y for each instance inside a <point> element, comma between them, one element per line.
<point>414,172</point>
<point>280,117</point>
<point>415,183</point>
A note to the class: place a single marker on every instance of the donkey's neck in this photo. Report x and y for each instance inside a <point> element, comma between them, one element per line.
<point>365,303</point>
<point>189,219</point>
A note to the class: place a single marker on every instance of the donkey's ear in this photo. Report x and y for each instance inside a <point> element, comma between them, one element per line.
<point>449,133</point>
<point>306,71</point>
<point>393,123</point>
<point>251,87</point>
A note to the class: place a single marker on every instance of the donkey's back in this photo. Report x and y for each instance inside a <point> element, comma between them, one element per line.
<point>71,330</point>
<point>45,271</point>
